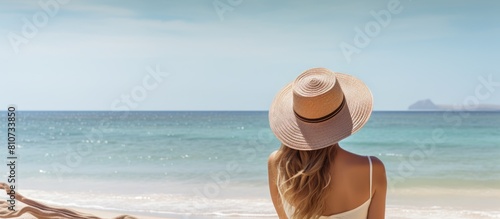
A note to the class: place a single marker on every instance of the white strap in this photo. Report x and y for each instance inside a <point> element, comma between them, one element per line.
<point>370,160</point>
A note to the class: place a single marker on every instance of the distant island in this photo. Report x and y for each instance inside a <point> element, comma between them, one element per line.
<point>428,105</point>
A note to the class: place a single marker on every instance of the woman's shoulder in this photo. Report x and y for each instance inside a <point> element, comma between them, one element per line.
<point>379,175</point>
<point>378,169</point>
<point>377,163</point>
<point>272,160</point>
<point>272,165</point>
<point>361,161</point>
<point>272,156</point>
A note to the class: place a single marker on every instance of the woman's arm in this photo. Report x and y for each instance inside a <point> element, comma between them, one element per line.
<point>273,188</point>
<point>377,205</point>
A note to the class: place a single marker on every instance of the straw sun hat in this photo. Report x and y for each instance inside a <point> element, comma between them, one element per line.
<point>319,109</point>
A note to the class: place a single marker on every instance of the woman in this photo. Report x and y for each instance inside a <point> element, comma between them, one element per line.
<point>311,176</point>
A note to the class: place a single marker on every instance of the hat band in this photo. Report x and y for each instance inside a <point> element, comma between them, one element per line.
<point>324,118</point>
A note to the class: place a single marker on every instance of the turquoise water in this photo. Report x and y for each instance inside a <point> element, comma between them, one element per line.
<point>192,164</point>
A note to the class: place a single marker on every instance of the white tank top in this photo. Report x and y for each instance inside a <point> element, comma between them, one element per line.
<point>360,212</point>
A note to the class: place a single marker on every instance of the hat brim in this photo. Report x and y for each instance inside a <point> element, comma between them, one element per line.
<point>300,135</point>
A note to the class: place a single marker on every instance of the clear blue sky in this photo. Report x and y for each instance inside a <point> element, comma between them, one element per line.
<point>89,55</point>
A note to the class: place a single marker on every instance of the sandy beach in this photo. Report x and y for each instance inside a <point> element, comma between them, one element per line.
<point>436,203</point>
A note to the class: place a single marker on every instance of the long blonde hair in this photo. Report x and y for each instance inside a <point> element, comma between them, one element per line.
<point>302,177</point>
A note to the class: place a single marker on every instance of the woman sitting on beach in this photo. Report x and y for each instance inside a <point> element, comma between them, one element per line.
<point>311,176</point>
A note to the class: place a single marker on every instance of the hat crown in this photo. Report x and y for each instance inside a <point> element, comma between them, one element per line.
<point>316,93</point>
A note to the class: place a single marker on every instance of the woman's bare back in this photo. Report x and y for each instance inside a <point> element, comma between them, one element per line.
<point>350,185</point>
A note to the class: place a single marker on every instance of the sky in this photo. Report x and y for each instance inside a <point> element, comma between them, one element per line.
<point>237,54</point>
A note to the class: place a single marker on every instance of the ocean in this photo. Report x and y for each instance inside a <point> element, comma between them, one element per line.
<point>214,164</point>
